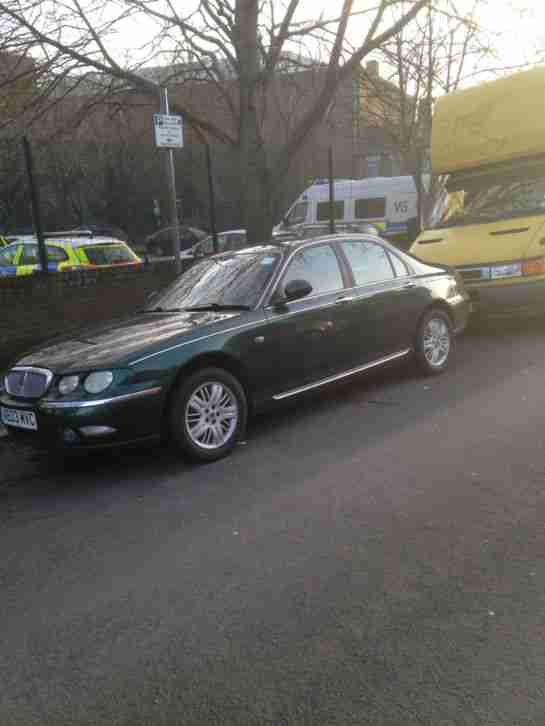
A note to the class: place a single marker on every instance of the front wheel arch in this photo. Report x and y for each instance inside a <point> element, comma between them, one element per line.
<point>206,360</point>
<point>211,414</point>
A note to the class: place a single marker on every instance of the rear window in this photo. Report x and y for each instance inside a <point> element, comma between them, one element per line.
<point>109,254</point>
<point>370,208</point>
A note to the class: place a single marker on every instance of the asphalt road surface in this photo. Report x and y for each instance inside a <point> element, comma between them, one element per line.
<point>372,555</point>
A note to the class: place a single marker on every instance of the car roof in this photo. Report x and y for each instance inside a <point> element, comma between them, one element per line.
<point>276,245</point>
<point>71,241</point>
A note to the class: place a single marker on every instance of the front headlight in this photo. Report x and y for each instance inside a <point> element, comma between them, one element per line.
<point>68,385</point>
<point>98,382</point>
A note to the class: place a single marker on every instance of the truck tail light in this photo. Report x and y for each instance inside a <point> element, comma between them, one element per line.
<point>534,267</point>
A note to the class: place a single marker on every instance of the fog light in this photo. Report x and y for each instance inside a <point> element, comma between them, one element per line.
<point>91,431</point>
<point>70,437</point>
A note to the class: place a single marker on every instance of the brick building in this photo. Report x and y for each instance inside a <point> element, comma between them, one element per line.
<point>355,128</point>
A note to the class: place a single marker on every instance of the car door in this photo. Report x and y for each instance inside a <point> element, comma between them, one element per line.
<point>301,343</point>
<point>380,306</point>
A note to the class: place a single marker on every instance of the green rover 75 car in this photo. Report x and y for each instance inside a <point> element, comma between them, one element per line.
<point>236,332</point>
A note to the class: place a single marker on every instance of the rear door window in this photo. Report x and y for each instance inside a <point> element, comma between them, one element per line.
<point>56,254</point>
<point>109,254</point>
<point>369,262</point>
<point>399,266</point>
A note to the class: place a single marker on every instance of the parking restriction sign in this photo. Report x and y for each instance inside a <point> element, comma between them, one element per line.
<point>169,131</point>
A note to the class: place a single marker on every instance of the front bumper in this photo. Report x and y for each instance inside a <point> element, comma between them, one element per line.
<point>517,298</point>
<point>88,424</point>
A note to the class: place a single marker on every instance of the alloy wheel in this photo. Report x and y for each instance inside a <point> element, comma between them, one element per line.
<point>211,415</point>
<point>436,342</point>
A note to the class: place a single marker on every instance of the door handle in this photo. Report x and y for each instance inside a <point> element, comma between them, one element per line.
<point>409,285</point>
<point>345,299</point>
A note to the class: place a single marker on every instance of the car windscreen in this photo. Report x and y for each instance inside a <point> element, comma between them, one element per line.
<point>109,254</point>
<point>238,279</point>
<point>491,200</point>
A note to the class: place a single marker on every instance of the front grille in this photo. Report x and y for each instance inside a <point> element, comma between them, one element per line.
<point>28,382</point>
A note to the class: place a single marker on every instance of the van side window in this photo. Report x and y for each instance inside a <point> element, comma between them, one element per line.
<point>322,211</point>
<point>370,208</point>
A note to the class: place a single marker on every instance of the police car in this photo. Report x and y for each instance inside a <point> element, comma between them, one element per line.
<point>21,257</point>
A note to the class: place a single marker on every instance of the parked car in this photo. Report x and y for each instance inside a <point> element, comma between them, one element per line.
<point>22,257</point>
<point>235,333</point>
<point>105,230</point>
<point>159,243</point>
<point>236,239</point>
<point>228,241</point>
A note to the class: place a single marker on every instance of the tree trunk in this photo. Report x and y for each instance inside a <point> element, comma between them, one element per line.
<point>256,203</point>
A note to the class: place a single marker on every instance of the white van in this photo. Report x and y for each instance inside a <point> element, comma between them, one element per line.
<point>387,202</point>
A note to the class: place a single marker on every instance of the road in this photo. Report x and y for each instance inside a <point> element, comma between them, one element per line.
<point>371,555</point>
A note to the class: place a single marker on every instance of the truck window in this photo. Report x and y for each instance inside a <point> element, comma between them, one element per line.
<point>370,208</point>
<point>322,211</point>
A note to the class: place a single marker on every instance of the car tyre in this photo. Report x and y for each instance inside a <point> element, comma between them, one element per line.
<point>208,414</point>
<point>434,342</point>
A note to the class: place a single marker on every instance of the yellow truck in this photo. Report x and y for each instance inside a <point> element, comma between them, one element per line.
<point>488,144</point>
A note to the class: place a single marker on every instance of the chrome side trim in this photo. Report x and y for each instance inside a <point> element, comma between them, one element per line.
<point>102,401</point>
<point>196,340</point>
<point>340,376</point>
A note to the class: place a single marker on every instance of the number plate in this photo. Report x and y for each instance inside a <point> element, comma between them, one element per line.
<point>514,270</point>
<point>19,419</point>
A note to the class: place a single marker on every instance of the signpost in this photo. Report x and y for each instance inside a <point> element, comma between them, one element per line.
<point>169,131</point>
<point>168,136</point>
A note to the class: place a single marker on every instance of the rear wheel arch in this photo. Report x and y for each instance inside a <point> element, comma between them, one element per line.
<point>434,305</point>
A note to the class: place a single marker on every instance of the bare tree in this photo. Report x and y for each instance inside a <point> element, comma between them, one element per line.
<point>234,48</point>
<point>441,51</point>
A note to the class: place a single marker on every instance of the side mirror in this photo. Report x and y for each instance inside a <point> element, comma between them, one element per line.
<point>296,289</point>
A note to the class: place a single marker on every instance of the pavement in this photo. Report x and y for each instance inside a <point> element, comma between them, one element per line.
<point>372,555</point>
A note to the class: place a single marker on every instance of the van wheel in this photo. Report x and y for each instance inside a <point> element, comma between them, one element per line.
<point>434,342</point>
<point>208,414</point>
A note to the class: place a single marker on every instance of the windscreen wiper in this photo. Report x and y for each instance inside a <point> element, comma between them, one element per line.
<point>216,306</point>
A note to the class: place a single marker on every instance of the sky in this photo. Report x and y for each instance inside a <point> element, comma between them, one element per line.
<point>521,25</point>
